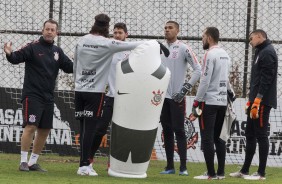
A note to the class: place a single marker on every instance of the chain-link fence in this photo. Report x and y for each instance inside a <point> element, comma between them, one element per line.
<point>21,22</point>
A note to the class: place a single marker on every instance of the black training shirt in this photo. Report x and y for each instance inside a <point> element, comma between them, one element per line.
<point>42,63</point>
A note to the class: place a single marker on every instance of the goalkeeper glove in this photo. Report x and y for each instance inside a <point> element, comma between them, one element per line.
<point>255,109</point>
<point>164,49</point>
<point>247,107</point>
<point>196,111</point>
<point>178,97</point>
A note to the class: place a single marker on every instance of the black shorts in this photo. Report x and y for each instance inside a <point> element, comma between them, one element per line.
<point>38,113</point>
<point>88,105</point>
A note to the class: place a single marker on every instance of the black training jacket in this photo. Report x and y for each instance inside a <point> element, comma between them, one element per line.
<point>42,63</point>
<point>264,74</point>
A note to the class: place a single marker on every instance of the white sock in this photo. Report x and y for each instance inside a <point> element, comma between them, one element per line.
<point>33,159</point>
<point>24,156</point>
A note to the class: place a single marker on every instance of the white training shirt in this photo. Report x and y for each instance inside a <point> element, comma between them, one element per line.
<point>214,80</point>
<point>93,55</point>
<point>177,62</point>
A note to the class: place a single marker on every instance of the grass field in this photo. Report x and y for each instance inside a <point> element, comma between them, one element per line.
<point>62,170</point>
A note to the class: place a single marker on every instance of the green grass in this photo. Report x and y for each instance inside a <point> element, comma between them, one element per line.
<point>62,170</point>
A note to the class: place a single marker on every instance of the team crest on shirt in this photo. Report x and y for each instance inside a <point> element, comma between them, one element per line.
<point>32,118</point>
<point>158,97</point>
<point>56,56</point>
<point>174,54</point>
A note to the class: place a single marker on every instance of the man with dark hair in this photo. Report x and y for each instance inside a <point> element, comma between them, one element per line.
<point>93,56</point>
<point>262,97</point>
<point>120,26</point>
<point>101,25</point>
<point>173,111</point>
<point>42,63</point>
<point>120,33</point>
<point>211,102</point>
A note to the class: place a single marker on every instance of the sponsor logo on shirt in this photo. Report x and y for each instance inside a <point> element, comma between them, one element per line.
<point>90,46</point>
<point>87,80</point>
<point>89,86</point>
<point>88,72</point>
<point>222,84</point>
<point>223,58</point>
<point>221,99</point>
<point>222,93</point>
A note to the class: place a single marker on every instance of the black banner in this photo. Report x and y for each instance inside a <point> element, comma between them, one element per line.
<point>64,137</point>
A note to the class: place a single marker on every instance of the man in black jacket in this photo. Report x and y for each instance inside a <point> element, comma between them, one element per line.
<point>262,97</point>
<point>42,63</point>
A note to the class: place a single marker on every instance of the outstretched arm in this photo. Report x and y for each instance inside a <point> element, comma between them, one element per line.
<point>19,56</point>
<point>8,48</point>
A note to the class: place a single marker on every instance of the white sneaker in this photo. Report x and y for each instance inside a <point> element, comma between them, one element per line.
<point>205,176</point>
<point>92,170</point>
<point>91,165</point>
<point>255,176</point>
<point>220,177</point>
<point>238,174</point>
<point>86,171</point>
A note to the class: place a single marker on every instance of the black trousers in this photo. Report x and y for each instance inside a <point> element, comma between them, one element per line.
<point>211,122</point>
<point>102,125</point>
<point>256,132</point>
<point>88,110</point>
<point>172,120</point>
